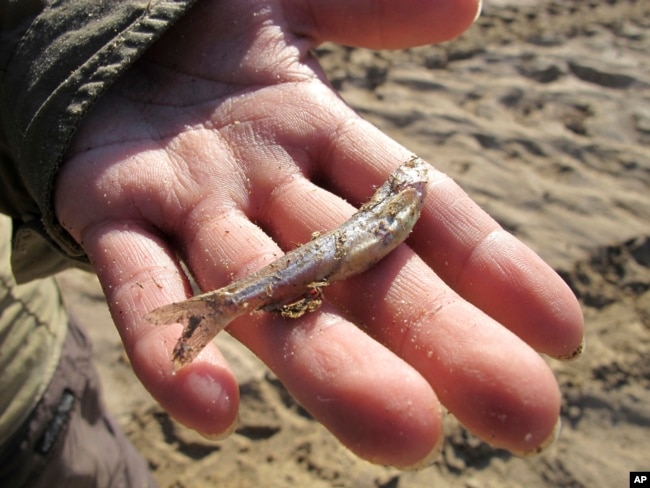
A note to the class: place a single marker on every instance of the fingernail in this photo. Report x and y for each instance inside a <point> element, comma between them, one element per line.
<point>214,401</point>
<point>544,445</point>
<point>479,9</point>
<point>221,435</point>
<point>428,460</point>
<point>575,354</point>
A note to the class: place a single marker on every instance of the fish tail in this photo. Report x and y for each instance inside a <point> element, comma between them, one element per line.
<point>201,323</point>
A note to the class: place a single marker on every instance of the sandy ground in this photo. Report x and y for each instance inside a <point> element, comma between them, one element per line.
<point>542,113</point>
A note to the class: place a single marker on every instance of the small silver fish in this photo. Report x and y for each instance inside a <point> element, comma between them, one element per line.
<point>292,285</point>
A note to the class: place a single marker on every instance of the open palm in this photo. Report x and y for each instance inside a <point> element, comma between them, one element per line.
<point>223,147</point>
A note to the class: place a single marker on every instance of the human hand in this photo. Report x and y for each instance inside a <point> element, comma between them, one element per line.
<point>224,146</point>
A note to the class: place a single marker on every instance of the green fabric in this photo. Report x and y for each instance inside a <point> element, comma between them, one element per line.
<point>32,328</point>
<point>56,59</point>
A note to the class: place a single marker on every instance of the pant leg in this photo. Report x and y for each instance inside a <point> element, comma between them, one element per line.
<point>70,439</point>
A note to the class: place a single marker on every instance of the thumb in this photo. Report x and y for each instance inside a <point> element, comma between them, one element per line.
<point>384,24</point>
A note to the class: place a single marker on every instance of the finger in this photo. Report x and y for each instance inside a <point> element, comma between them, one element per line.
<point>498,273</point>
<point>139,273</point>
<point>383,24</point>
<point>374,402</point>
<point>473,363</point>
<point>466,247</point>
<point>494,383</point>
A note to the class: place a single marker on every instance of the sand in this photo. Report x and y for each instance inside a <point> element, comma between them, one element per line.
<point>542,113</point>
